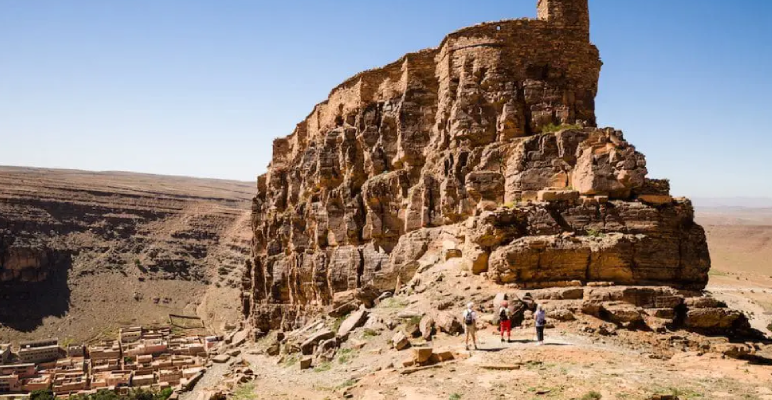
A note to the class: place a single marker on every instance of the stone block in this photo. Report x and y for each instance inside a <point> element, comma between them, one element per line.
<point>399,341</point>
<point>422,354</point>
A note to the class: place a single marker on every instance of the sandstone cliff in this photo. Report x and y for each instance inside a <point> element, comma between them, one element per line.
<point>486,148</point>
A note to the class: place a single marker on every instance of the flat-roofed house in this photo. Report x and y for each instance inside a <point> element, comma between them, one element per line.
<point>22,370</point>
<point>36,351</point>
<point>9,383</point>
<point>39,382</point>
<point>130,334</point>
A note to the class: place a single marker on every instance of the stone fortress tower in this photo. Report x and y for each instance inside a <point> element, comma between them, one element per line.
<point>567,14</point>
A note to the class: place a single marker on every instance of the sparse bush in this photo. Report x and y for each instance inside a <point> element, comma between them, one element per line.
<point>245,392</point>
<point>347,383</point>
<point>552,128</point>
<point>291,360</point>
<point>368,333</point>
<point>593,395</point>
<point>393,302</point>
<point>346,355</point>
<point>594,233</point>
<point>325,366</point>
<point>338,321</point>
<point>454,396</point>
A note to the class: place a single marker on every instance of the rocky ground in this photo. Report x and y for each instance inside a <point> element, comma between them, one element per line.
<point>584,358</point>
<point>83,253</point>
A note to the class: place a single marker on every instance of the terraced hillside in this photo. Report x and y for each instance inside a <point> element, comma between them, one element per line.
<point>82,253</point>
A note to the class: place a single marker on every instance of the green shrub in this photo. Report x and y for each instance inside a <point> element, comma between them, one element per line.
<point>593,395</point>
<point>46,394</point>
<point>368,333</point>
<point>594,233</point>
<point>325,366</point>
<point>552,128</point>
<point>346,355</point>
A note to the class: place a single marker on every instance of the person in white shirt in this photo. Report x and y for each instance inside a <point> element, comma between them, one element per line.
<point>540,316</point>
<point>470,325</point>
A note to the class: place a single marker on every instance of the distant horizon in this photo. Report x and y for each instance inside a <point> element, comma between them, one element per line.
<point>741,202</point>
<point>201,89</point>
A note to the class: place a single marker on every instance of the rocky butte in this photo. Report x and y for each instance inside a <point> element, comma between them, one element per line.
<point>484,148</point>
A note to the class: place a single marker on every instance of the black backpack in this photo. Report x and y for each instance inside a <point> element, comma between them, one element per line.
<point>468,318</point>
<point>503,315</point>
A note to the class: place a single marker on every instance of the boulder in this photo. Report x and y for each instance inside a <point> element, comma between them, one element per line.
<point>367,295</point>
<point>355,320</point>
<point>412,330</point>
<point>448,323</point>
<point>327,349</point>
<point>733,350</point>
<point>305,362</point>
<point>426,326</point>
<point>711,318</point>
<point>443,355</point>
<point>703,302</point>
<point>623,314</point>
<point>422,354</point>
<point>221,358</point>
<point>274,349</point>
<point>307,347</point>
<point>561,314</point>
<point>399,341</point>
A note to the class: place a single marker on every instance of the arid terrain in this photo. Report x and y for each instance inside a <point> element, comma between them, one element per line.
<point>578,361</point>
<point>84,253</point>
<point>740,241</point>
<point>474,171</point>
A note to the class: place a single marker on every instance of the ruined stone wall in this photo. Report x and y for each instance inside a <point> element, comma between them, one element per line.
<point>358,194</point>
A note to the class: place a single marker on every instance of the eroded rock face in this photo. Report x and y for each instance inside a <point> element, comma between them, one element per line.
<point>488,143</point>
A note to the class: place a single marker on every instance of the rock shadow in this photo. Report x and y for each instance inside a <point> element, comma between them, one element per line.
<point>24,305</point>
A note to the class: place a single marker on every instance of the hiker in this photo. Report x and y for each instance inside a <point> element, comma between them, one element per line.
<point>505,321</point>
<point>470,325</point>
<point>541,320</point>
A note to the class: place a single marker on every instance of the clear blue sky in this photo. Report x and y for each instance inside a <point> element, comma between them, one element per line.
<point>201,88</point>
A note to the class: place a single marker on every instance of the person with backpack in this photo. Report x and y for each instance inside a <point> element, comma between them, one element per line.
<point>540,316</point>
<point>470,325</point>
<point>505,321</point>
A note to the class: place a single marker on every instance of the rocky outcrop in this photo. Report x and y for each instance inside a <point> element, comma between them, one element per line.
<point>484,148</point>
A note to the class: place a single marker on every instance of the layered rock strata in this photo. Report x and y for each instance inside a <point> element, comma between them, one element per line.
<point>104,248</point>
<point>484,147</point>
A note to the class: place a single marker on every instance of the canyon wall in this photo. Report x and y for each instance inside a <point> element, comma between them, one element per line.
<point>83,252</point>
<point>486,148</point>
